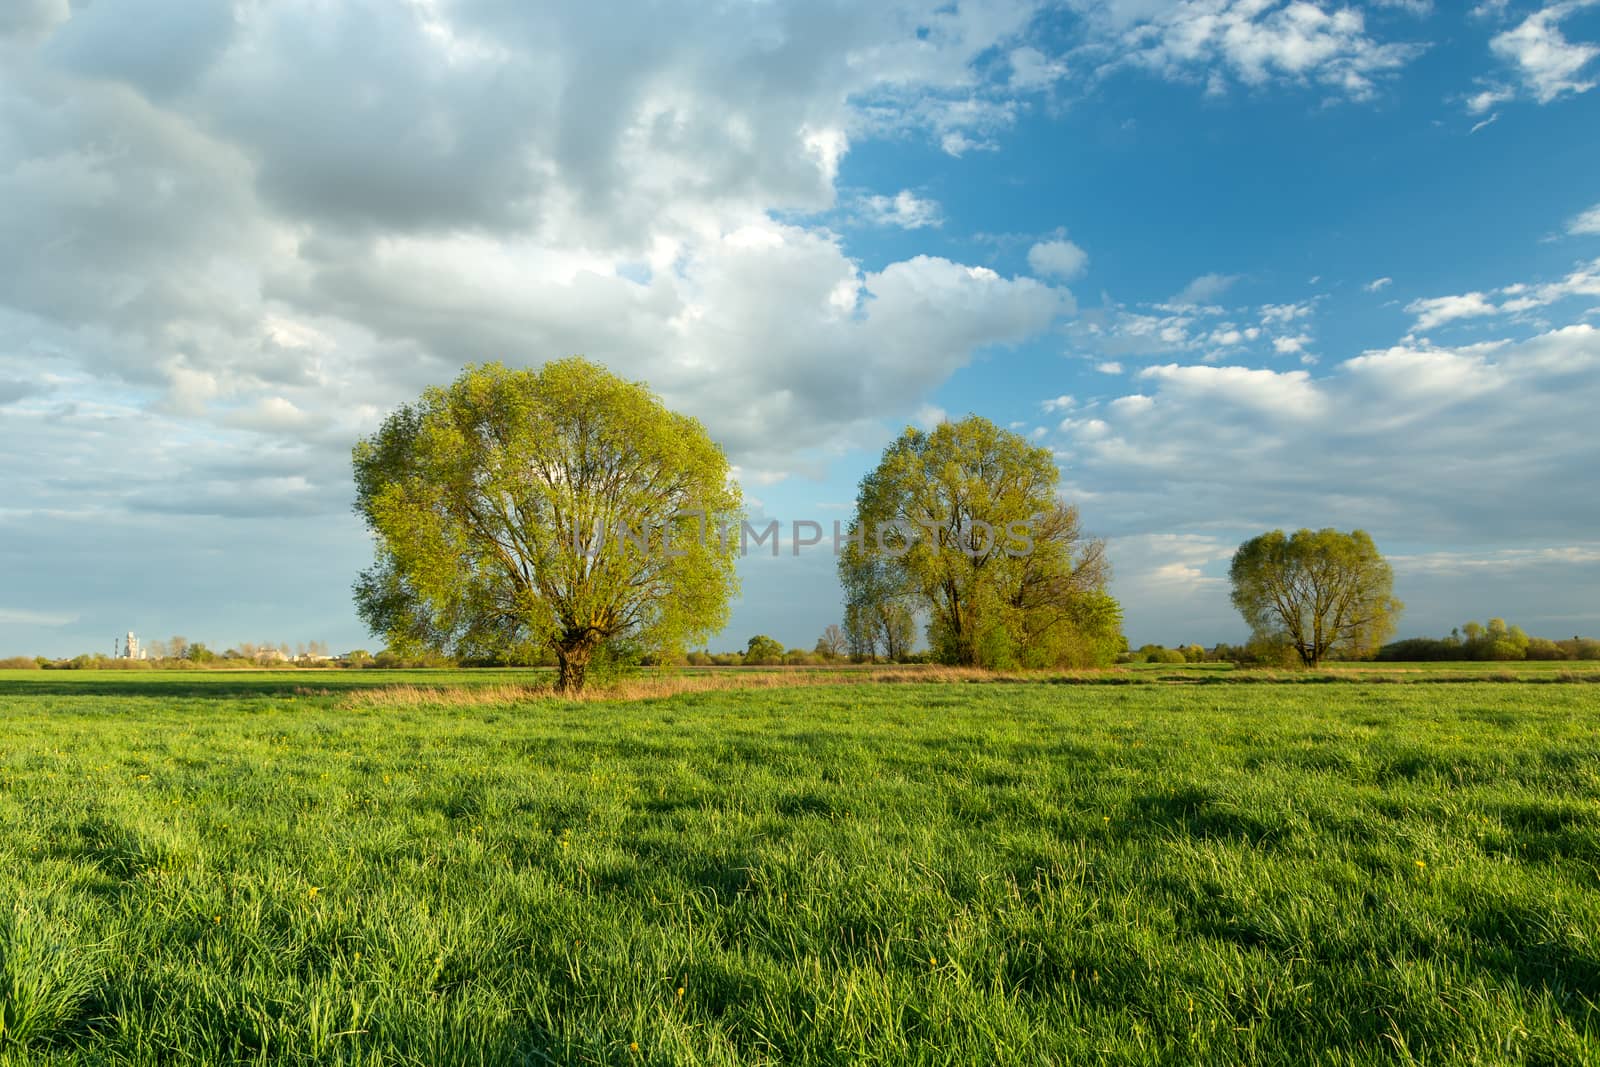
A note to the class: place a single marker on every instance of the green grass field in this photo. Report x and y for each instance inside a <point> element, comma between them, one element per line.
<point>223,869</point>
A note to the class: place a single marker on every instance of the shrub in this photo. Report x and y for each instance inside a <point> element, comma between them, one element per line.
<point>1545,649</point>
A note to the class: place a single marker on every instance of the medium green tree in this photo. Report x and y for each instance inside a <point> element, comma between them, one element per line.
<point>1318,591</point>
<point>561,508</point>
<point>963,525</point>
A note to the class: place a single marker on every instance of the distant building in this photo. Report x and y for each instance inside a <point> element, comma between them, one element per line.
<point>130,648</point>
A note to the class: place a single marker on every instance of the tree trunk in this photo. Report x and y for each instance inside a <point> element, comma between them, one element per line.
<point>572,661</point>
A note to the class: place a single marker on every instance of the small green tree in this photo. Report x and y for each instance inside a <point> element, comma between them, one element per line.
<point>763,651</point>
<point>559,508</point>
<point>1319,592</point>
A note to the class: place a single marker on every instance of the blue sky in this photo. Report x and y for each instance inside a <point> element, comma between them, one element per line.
<point>1239,263</point>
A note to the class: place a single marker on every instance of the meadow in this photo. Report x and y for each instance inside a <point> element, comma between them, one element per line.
<point>446,868</point>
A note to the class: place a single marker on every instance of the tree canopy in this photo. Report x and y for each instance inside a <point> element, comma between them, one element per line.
<point>1319,592</point>
<point>963,525</point>
<point>560,508</point>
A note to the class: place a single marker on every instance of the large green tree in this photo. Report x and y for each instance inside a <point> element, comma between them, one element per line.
<point>1320,592</point>
<point>963,524</point>
<point>560,508</point>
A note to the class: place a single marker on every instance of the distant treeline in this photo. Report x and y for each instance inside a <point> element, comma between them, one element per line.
<point>1496,641</point>
<point>1255,654</point>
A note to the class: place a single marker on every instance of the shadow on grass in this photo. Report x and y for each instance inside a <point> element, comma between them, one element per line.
<point>240,684</point>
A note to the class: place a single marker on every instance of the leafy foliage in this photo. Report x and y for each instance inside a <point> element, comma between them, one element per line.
<point>501,506</point>
<point>1316,591</point>
<point>763,651</point>
<point>963,525</point>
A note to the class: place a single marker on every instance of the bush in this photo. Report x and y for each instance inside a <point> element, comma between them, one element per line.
<point>1270,652</point>
<point>19,663</point>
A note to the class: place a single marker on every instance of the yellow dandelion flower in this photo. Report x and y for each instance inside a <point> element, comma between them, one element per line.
<point>312,892</point>
<point>633,1046</point>
<point>680,992</point>
<point>1421,864</point>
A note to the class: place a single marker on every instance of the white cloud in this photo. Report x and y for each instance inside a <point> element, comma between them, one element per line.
<point>1253,42</point>
<point>1582,281</point>
<point>1378,284</point>
<point>1436,311</point>
<point>1548,65</point>
<point>1204,290</point>
<point>1171,585</point>
<point>1060,403</point>
<point>1110,366</point>
<point>905,209</point>
<point>1031,69</point>
<point>1185,324</point>
<point>1058,259</point>
<point>1586,223</point>
<point>299,229</point>
<point>1289,394</point>
<point>1375,443</point>
<point>22,617</point>
<point>1459,563</point>
<point>1283,314</point>
<point>1485,99</point>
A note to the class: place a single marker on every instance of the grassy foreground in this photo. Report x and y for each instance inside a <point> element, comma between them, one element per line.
<point>1004,873</point>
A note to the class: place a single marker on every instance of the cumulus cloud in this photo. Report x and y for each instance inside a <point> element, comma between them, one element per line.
<point>1547,64</point>
<point>1377,442</point>
<point>1438,310</point>
<point>1059,258</point>
<point>255,233</point>
<point>282,219</point>
<point>1265,392</point>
